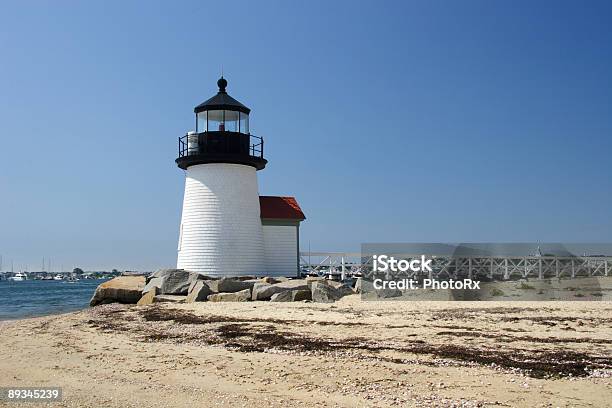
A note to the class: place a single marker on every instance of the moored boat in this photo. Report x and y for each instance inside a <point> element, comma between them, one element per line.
<point>18,277</point>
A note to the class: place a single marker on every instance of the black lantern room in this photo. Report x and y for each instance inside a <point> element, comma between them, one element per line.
<point>222,134</point>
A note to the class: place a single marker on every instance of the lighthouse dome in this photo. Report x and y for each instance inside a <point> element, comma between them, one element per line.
<point>222,101</point>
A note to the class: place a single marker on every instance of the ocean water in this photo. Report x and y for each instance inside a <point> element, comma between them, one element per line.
<point>39,298</point>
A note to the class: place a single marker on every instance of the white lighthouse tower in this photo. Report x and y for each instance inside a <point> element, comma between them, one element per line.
<point>221,231</point>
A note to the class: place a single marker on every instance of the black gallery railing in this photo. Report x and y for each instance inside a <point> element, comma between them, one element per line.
<point>224,143</point>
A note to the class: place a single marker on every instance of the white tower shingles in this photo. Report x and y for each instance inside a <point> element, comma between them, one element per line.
<point>221,231</point>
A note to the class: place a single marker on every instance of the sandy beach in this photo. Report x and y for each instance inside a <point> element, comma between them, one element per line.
<point>351,353</point>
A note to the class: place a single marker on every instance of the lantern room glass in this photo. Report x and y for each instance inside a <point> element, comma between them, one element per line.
<point>231,120</point>
<point>215,121</point>
<point>222,121</point>
<point>201,120</point>
<point>244,123</point>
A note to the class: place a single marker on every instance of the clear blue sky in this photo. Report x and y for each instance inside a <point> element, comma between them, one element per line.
<point>432,121</point>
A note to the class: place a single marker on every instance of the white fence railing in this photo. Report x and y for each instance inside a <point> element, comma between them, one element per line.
<point>445,266</point>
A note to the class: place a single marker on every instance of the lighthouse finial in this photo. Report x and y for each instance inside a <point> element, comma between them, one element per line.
<point>222,84</point>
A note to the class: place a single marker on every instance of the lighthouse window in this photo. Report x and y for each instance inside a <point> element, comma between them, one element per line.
<point>215,121</point>
<point>231,121</point>
<point>244,123</point>
<point>201,122</point>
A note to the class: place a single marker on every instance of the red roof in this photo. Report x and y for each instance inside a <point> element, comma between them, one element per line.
<point>285,208</point>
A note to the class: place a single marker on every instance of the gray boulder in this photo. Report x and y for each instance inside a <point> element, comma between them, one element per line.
<point>122,289</point>
<point>240,296</point>
<point>163,272</point>
<point>176,282</point>
<point>324,293</point>
<point>244,277</point>
<point>312,279</point>
<point>357,287</point>
<point>344,289</point>
<point>152,283</point>
<point>388,293</point>
<point>169,299</point>
<point>285,296</point>
<point>172,281</point>
<point>148,297</point>
<point>264,291</point>
<point>198,292</point>
<point>230,285</point>
<point>300,295</point>
<point>192,285</point>
<point>160,273</point>
<point>291,296</point>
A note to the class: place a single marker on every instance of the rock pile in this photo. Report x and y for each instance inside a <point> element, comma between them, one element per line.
<point>266,289</point>
<point>177,285</point>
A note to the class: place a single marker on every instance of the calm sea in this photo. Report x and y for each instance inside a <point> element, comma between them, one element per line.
<point>38,298</point>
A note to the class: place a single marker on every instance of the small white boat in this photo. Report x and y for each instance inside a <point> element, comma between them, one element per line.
<point>18,277</point>
<point>58,277</point>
